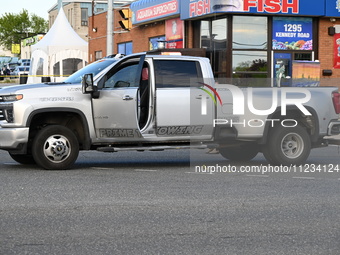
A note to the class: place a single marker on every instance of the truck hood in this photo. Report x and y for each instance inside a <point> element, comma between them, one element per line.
<point>16,88</point>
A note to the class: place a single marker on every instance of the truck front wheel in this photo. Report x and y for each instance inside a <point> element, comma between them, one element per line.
<point>287,146</point>
<point>242,153</point>
<point>55,148</point>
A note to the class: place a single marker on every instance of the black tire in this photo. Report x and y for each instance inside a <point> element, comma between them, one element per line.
<point>287,146</point>
<point>244,152</point>
<point>55,148</point>
<point>23,159</point>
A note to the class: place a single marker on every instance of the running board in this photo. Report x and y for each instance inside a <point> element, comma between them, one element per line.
<point>152,148</point>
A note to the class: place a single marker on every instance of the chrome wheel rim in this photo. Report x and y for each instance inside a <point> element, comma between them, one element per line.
<point>57,148</point>
<point>292,145</point>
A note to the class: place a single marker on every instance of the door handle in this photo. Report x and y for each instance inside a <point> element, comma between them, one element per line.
<point>127,97</point>
<point>201,97</point>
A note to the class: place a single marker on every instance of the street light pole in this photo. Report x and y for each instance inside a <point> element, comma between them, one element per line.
<point>109,37</point>
<point>60,4</point>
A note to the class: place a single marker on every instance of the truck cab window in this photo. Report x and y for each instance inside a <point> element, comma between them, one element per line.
<point>174,73</point>
<point>122,77</point>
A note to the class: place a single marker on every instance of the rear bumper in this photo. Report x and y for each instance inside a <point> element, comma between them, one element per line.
<point>12,138</point>
<point>333,141</point>
<point>334,128</point>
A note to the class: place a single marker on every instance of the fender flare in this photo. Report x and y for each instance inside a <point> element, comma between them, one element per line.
<point>314,137</point>
<point>87,139</point>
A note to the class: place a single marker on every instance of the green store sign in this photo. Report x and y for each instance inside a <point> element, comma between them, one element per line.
<point>31,40</point>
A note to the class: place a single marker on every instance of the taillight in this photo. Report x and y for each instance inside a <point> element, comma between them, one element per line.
<point>336,101</point>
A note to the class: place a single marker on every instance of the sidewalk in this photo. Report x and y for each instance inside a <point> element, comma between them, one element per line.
<point>8,84</point>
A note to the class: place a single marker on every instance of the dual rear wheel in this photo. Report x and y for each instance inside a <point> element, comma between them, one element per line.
<point>285,146</point>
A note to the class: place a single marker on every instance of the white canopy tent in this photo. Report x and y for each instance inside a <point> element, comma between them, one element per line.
<point>60,53</point>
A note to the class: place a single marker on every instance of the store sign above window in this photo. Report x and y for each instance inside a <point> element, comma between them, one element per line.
<point>332,8</point>
<point>284,6</point>
<point>195,8</point>
<point>292,33</point>
<point>149,10</point>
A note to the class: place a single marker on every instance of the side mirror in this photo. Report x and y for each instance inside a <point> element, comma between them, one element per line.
<point>87,84</point>
<point>122,84</point>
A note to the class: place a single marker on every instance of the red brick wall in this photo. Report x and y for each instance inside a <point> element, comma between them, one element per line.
<point>97,40</point>
<point>326,52</point>
<point>139,35</point>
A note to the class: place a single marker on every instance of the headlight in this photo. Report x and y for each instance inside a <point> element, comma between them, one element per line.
<point>11,98</point>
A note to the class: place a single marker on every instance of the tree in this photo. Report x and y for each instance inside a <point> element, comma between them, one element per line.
<point>15,27</point>
<point>255,65</point>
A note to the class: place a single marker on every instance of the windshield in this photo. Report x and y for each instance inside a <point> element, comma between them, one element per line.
<point>93,68</point>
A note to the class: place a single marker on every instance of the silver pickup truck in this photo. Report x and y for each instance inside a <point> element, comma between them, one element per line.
<point>155,102</point>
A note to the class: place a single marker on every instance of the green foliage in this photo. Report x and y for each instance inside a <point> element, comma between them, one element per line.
<point>15,27</point>
<point>255,65</point>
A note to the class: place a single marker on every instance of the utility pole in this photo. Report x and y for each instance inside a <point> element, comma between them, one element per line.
<point>60,4</point>
<point>109,37</point>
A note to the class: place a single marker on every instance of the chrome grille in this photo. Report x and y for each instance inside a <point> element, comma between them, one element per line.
<point>2,114</point>
<point>6,112</point>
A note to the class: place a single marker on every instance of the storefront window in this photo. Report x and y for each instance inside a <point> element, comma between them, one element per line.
<point>250,32</point>
<point>205,34</point>
<point>303,56</point>
<point>214,34</point>
<point>250,68</point>
<point>214,39</point>
<point>250,54</point>
<point>125,48</point>
<point>250,61</point>
<point>219,33</point>
<point>156,42</point>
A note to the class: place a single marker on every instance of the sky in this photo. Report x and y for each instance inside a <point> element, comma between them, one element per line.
<point>38,7</point>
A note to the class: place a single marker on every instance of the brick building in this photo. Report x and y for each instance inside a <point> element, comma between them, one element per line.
<point>287,41</point>
<point>327,50</point>
<point>138,36</point>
